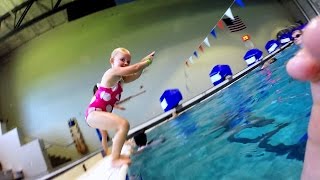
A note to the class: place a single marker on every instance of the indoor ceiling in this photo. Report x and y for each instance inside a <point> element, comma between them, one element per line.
<point>23,20</point>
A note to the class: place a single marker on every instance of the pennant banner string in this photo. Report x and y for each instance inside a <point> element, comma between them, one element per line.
<point>224,14</point>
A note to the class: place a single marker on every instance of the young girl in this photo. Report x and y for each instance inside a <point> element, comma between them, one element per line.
<point>98,114</point>
<point>103,134</point>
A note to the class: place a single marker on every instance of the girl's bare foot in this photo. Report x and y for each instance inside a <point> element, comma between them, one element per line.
<point>122,160</point>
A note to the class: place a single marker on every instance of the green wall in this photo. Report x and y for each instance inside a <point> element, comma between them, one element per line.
<point>49,79</point>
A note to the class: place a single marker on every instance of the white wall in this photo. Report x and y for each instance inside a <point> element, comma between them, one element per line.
<point>50,79</point>
<point>29,157</point>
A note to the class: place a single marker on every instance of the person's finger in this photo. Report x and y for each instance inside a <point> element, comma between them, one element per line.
<point>152,54</point>
<point>304,67</point>
<point>149,56</point>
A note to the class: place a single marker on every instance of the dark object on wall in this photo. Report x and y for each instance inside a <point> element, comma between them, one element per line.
<point>234,25</point>
<point>77,136</point>
<point>82,8</point>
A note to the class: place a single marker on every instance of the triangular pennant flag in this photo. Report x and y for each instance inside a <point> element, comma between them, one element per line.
<point>187,64</point>
<point>213,33</point>
<point>229,14</point>
<point>240,3</point>
<point>195,54</point>
<point>201,48</point>
<point>220,24</point>
<point>206,41</point>
<point>191,59</point>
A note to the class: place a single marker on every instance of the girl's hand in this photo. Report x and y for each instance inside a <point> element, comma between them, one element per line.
<point>150,56</point>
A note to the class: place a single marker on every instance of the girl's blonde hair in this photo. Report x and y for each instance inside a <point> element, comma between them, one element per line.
<point>121,50</point>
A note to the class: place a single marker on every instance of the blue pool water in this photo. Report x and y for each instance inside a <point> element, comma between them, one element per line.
<point>254,129</point>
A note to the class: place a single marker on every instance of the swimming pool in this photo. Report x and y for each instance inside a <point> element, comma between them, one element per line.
<point>254,129</point>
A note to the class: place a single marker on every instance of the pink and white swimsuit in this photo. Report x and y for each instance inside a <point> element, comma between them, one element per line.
<point>104,99</point>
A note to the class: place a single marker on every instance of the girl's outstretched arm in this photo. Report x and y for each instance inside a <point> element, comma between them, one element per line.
<point>133,77</point>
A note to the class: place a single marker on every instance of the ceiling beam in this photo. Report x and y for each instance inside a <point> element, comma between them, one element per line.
<point>43,6</point>
<point>17,8</point>
<point>57,4</point>
<point>34,20</point>
<point>6,7</point>
<point>23,15</point>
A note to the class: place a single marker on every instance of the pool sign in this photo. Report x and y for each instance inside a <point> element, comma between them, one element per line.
<point>246,38</point>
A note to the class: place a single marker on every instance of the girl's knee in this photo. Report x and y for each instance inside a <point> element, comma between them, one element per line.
<point>125,125</point>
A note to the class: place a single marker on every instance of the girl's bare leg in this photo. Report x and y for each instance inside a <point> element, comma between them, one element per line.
<point>108,121</point>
